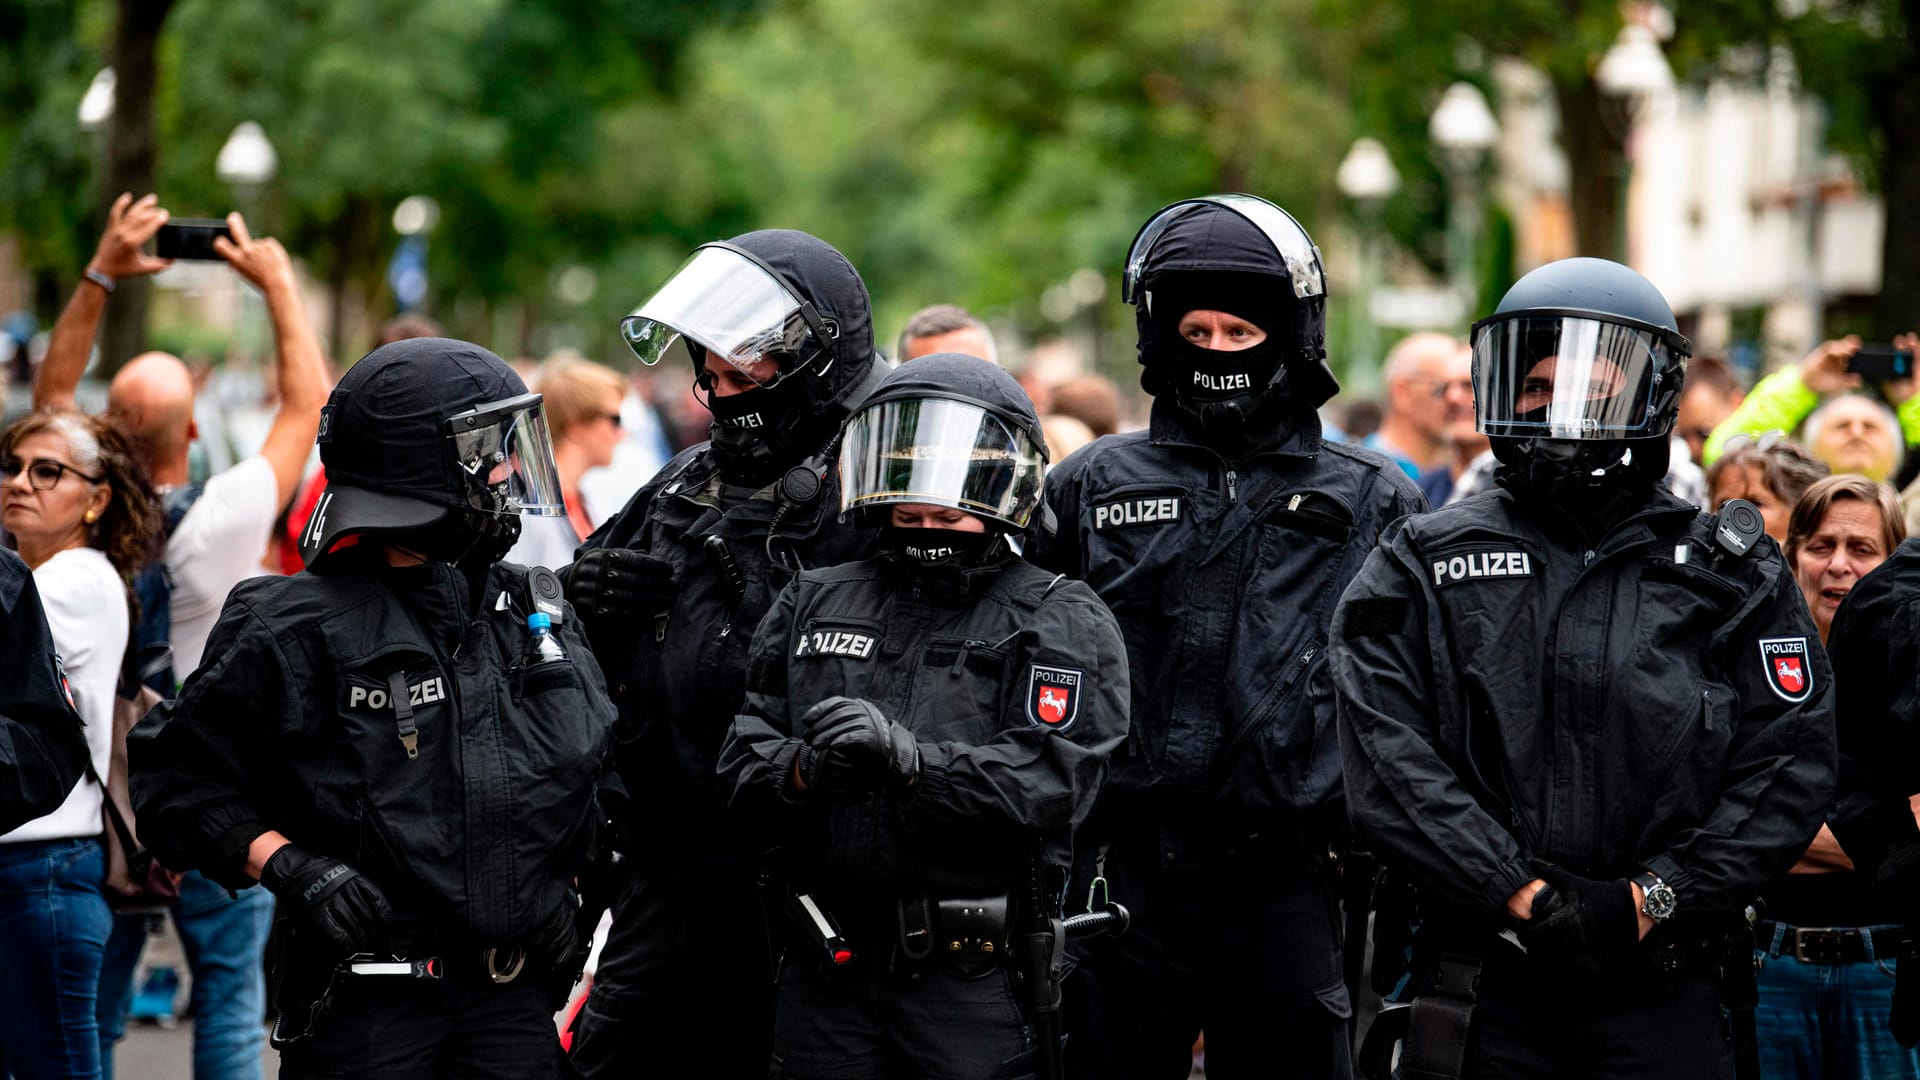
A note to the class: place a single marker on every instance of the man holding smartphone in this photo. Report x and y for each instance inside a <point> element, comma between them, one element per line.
<point>1860,415</point>
<point>216,533</point>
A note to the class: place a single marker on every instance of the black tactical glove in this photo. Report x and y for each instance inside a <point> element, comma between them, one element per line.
<point>879,754</point>
<point>1590,924</point>
<point>554,942</point>
<point>613,586</point>
<point>329,894</point>
<point>829,772</point>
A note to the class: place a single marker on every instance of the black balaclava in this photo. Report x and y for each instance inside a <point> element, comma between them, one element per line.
<point>1226,392</point>
<point>758,435</point>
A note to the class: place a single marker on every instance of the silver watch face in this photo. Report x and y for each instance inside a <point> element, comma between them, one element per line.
<point>1660,902</point>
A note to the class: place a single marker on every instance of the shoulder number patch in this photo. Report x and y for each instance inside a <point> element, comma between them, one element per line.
<point>835,643</point>
<point>1147,510</point>
<point>1481,564</point>
<point>1053,696</point>
<point>1789,667</point>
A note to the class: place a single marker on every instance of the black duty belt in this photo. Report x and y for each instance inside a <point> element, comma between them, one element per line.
<point>1829,944</point>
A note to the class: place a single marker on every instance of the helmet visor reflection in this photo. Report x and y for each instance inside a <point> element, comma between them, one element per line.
<point>1566,377</point>
<point>942,452</point>
<point>731,306</point>
<point>507,454</point>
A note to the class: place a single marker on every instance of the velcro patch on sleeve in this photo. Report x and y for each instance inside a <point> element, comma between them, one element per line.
<point>1376,616</point>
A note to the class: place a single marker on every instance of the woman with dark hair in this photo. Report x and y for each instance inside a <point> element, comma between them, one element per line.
<point>1770,471</point>
<point>82,516</point>
<point>1826,945</point>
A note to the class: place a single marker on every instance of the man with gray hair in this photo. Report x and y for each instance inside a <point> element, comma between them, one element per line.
<point>944,328</point>
<point>1429,379</point>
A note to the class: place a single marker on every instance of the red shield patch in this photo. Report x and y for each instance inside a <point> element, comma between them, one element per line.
<point>1788,666</point>
<point>1053,696</point>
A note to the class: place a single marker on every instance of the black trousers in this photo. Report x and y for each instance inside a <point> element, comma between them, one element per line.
<point>685,982</point>
<point>1246,948</point>
<point>460,1027</point>
<point>1536,1023</point>
<point>869,1025</point>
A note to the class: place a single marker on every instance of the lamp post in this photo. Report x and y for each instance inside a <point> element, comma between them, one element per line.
<point>1464,129</point>
<point>413,219</point>
<point>96,105</point>
<point>247,163</point>
<point>1634,71</point>
<point>1368,179</point>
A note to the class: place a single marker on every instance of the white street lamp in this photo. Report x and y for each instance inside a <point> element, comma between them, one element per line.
<point>247,160</point>
<point>1463,123</point>
<point>1634,67</point>
<point>96,105</point>
<point>1367,174</point>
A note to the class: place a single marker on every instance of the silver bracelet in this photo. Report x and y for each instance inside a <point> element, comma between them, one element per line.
<point>100,278</point>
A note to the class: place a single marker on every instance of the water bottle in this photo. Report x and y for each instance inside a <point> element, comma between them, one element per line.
<point>544,647</point>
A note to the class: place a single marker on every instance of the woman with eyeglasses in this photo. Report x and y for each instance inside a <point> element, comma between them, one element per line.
<point>1770,471</point>
<point>81,515</point>
<point>583,413</point>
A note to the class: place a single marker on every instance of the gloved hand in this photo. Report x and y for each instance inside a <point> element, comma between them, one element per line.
<point>1588,923</point>
<point>329,894</point>
<point>878,753</point>
<point>619,584</point>
<point>830,772</point>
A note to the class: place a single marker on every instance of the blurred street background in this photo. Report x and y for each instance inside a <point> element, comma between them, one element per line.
<point>526,171</point>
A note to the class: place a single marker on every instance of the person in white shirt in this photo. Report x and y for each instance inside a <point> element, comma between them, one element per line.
<point>82,517</point>
<point>218,542</point>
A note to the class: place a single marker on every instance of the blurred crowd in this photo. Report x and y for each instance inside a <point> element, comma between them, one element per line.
<point>137,506</point>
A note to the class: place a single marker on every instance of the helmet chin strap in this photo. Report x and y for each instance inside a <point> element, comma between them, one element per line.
<point>1597,482</point>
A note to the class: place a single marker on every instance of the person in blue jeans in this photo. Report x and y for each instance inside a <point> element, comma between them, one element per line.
<point>53,927</point>
<point>224,937</point>
<point>1826,945</point>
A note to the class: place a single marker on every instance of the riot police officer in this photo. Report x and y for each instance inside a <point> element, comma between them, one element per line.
<point>402,744</point>
<point>925,728</point>
<point>776,330</point>
<point>1585,719</point>
<point>1221,538</point>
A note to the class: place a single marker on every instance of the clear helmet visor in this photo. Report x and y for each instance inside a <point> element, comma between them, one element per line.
<point>734,308</point>
<point>1291,242</point>
<point>943,452</point>
<point>1565,376</point>
<point>507,453</point>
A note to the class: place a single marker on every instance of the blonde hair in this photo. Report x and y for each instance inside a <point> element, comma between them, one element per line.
<point>575,392</point>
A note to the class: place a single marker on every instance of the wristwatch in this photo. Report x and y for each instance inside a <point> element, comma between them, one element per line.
<point>1660,903</point>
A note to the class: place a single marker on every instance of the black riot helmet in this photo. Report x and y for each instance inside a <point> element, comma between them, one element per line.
<point>1245,256</point>
<point>439,441</point>
<point>946,430</point>
<point>789,314</point>
<point>1576,380</point>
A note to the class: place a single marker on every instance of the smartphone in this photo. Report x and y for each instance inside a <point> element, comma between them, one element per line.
<point>1880,363</point>
<point>189,238</point>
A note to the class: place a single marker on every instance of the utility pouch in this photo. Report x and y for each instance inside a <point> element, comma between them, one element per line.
<point>1437,1026</point>
<point>972,935</point>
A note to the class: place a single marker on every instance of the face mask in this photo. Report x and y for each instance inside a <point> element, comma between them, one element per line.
<point>939,547</point>
<point>748,431</point>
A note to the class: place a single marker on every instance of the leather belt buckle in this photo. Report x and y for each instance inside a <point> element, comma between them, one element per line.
<point>1822,945</point>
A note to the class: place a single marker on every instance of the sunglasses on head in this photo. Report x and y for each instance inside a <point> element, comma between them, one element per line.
<point>43,474</point>
<point>1762,442</point>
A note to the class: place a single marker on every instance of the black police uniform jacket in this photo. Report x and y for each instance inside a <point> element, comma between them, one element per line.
<point>1875,645</point>
<point>294,723</point>
<point>678,683</point>
<point>1014,686</point>
<point>1223,577</point>
<point>1508,692</point>
<point>43,749</point>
